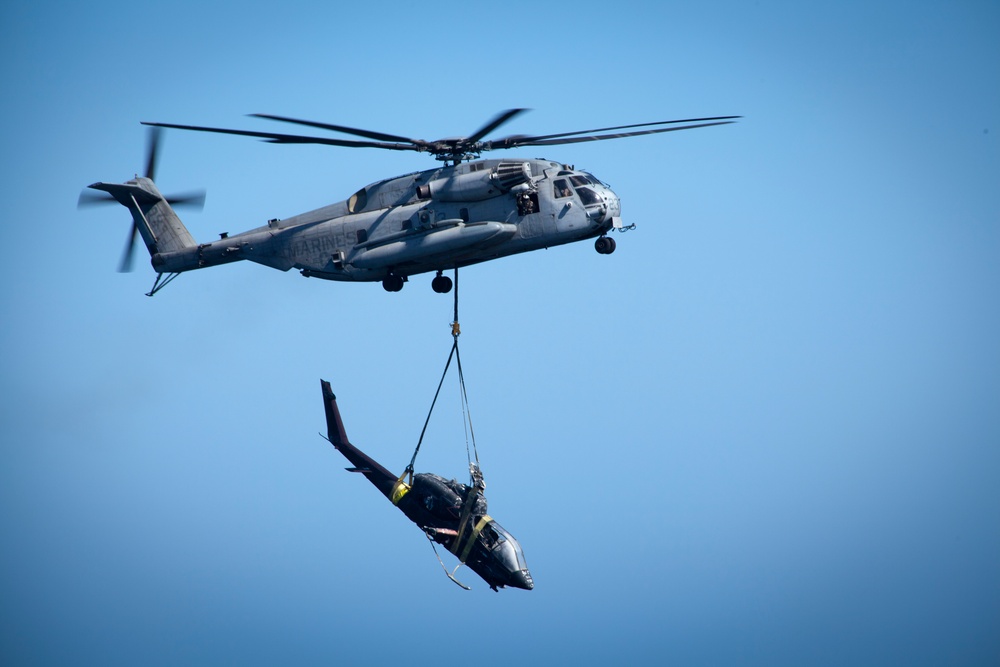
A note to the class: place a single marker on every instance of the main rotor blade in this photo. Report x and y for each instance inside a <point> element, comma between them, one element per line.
<point>499,120</point>
<point>368,134</point>
<point>126,262</point>
<point>620,127</point>
<point>274,138</point>
<point>514,142</point>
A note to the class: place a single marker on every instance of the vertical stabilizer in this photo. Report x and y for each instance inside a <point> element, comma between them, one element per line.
<point>160,228</point>
<point>369,467</point>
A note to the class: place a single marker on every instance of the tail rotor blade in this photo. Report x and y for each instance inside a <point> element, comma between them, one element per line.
<point>152,148</point>
<point>194,199</point>
<point>125,265</point>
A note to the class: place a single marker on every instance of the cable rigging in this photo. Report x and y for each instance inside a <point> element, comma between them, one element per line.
<point>470,437</point>
<point>477,484</point>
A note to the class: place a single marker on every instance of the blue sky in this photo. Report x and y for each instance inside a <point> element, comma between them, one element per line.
<point>764,431</point>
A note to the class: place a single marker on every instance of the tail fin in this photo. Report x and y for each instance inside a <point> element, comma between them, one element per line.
<point>384,480</point>
<point>159,226</point>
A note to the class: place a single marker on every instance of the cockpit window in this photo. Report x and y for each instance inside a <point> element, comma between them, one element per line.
<point>579,180</point>
<point>588,196</point>
<point>358,201</point>
<point>507,548</point>
<point>562,188</point>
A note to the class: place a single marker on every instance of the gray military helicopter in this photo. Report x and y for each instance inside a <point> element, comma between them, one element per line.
<point>466,211</point>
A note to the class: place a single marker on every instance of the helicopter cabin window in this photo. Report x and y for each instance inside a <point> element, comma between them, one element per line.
<point>358,201</point>
<point>562,188</point>
<point>579,180</point>
<point>362,235</point>
<point>527,203</point>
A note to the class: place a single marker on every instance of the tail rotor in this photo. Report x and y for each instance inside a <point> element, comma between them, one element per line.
<point>193,199</point>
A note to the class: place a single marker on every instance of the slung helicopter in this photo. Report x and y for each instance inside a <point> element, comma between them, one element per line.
<point>466,211</point>
<point>451,514</point>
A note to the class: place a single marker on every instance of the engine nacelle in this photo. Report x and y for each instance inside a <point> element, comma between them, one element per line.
<point>477,185</point>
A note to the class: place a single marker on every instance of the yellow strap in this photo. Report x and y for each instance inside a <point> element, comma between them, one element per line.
<point>473,536</point>
<point>400,488</point>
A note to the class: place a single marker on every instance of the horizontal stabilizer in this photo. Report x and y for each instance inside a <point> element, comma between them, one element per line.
<point>123,191</point>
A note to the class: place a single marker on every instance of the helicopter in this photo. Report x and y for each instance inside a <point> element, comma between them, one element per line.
<point>451,514</point>
<point>466,211</point>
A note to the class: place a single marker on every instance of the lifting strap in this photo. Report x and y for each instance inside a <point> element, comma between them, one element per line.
<point>456,331</point>
<point>466,537</point>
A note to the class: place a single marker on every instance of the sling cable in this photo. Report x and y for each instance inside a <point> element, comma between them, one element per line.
<point>467,531</point>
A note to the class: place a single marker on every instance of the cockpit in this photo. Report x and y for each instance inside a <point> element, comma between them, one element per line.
<point>578,180</point>
<point>594,194</point>
<point>508,552</point>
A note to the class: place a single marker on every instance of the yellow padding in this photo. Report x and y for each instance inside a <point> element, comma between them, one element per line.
<point>399,489</point>
<point>473,536</point>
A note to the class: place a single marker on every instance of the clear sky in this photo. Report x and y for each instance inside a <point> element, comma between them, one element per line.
<point>766,431</point>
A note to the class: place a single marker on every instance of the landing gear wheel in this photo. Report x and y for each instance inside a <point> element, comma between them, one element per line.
<point>605,245</point>
<point>441,284</point>
<point>392,283</point>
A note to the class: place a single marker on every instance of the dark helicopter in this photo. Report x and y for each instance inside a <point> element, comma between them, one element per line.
<point>451,514</point>
<point>464,212</point>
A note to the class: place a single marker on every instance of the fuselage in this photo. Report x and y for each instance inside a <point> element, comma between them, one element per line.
<point>432,220</point>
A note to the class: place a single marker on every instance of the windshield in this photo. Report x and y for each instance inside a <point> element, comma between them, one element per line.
<point>507,549</point>
<point>588,196</point>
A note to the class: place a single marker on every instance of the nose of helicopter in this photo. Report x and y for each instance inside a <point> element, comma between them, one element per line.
<point>614,204</point>
<point>522,579</point>
<point>609,207</point>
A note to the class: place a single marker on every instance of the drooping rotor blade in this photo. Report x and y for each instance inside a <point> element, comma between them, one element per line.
<point>514,142</point>
<point>367,134</point>
<point>499,120</point>
<point>125,265</point>
<point>290,138</point>
<point>152,149</point>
